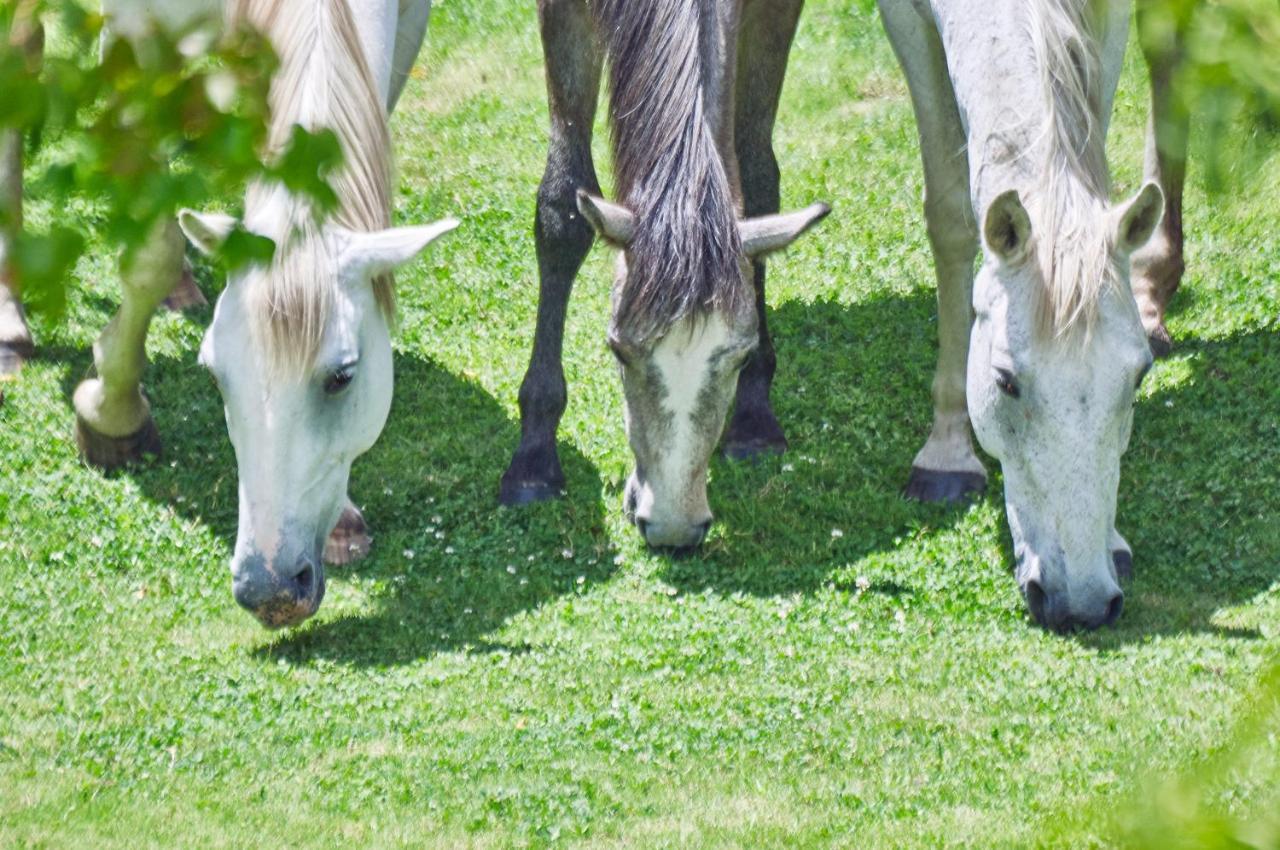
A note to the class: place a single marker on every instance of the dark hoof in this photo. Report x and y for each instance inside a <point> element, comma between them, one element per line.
<point>927,485</point>
<point>1160,341</point>
<point>349,541</point>
<point>754,449</point>
<point>1124,564</point>
<point>106,453</point>
<point>13,355</point>
<point>516,493</point>
<point>186,294</point>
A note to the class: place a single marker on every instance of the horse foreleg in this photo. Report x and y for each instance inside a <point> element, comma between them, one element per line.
<point>946,469</point>
<point>1157,268</point>
<point>411,31</point>
<point>563,237</point>
<point>765,40</point>
<point>16,346</point>
<point>113,418</point>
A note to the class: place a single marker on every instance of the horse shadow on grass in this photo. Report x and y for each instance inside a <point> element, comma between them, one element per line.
<point>1200,487</point>
<point>448,565</point>
<point>1200,491</point>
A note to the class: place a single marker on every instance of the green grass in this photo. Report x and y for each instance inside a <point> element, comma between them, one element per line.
<point>836,668</point>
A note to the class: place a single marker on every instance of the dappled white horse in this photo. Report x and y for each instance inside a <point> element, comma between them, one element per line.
<point>1012,99</point>
<point>300,347</point>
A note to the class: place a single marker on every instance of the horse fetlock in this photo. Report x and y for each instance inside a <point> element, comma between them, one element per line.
<point>754,432</point>
<point>16,346</point>
<point>533,476</point>
<point>110,413</point>
<point>946,469</point>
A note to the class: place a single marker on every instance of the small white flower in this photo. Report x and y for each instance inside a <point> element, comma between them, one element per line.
<point>408,553</point>
<point>788,467</point>
<point>448,550</point>
<point>567,554</point>
<point>836,534</point>
<point>511,569</point>
<point>436,519</point>
<point>862,583</point>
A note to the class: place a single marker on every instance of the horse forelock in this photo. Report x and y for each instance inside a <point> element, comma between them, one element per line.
<point>324,81</point>
<point>1068,205</point>
<point>685,256</point>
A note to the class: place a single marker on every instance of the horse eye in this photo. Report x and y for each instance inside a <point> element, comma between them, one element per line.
<point>339,379</point>
<point>1007,383</point>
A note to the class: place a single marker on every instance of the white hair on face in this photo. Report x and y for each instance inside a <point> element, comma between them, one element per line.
<point>324,81</point>
<point>1069,205</point>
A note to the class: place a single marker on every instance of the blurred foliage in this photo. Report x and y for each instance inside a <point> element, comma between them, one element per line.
<point>1227,69</point>
<point>1193,811</point>
<point>140,130</point>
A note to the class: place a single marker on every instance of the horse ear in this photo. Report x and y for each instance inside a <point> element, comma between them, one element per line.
<point>1137,219</point>
<point>207,231</point>
<point>371,254</point>
<point>1007,228</point>
<point>614,222</point>
<point>767,233</point>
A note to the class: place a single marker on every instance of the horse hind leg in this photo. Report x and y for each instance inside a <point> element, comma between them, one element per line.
<point>764,43</point>
<point>350,540</point>
<point>1157,267</point>
<point>113,418</point>
<point>563,238</point>
<point>946,469</point>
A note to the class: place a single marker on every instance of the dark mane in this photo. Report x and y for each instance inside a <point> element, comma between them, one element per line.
<point>684,258</point>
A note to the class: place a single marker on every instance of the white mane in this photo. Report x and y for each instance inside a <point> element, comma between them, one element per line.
<point>323,81</point>
<point>1069,205</point>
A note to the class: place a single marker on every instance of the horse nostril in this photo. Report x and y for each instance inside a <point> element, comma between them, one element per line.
<point>1123,561</point>
<point>643,526</point>
<point>1036,599</point>
<point>703,530</point>
<point>1114,607</point>
<point>305,581</point>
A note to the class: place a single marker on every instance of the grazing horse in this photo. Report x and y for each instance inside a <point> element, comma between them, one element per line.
<point>1012,100</point>
<point>693,93</point>
<point>299,346</point>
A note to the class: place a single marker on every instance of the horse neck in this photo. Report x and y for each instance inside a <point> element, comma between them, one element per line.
<point>1008,116</point>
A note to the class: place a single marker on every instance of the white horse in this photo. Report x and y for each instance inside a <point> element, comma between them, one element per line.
<point>1012,99</point>
<point>300,347</point>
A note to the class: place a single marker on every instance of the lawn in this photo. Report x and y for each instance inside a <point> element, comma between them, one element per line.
<point>836,668</point>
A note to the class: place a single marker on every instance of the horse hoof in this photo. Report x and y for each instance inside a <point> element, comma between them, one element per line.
<point>13,355</point>
<point>928,485</point>
<point>349,541</point>
<point>1124,564</point>
<point>1160,341</point>
<point>754,449</point>
<point>106,453</point>
<point>186,294</point>
<point>516,493</point>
